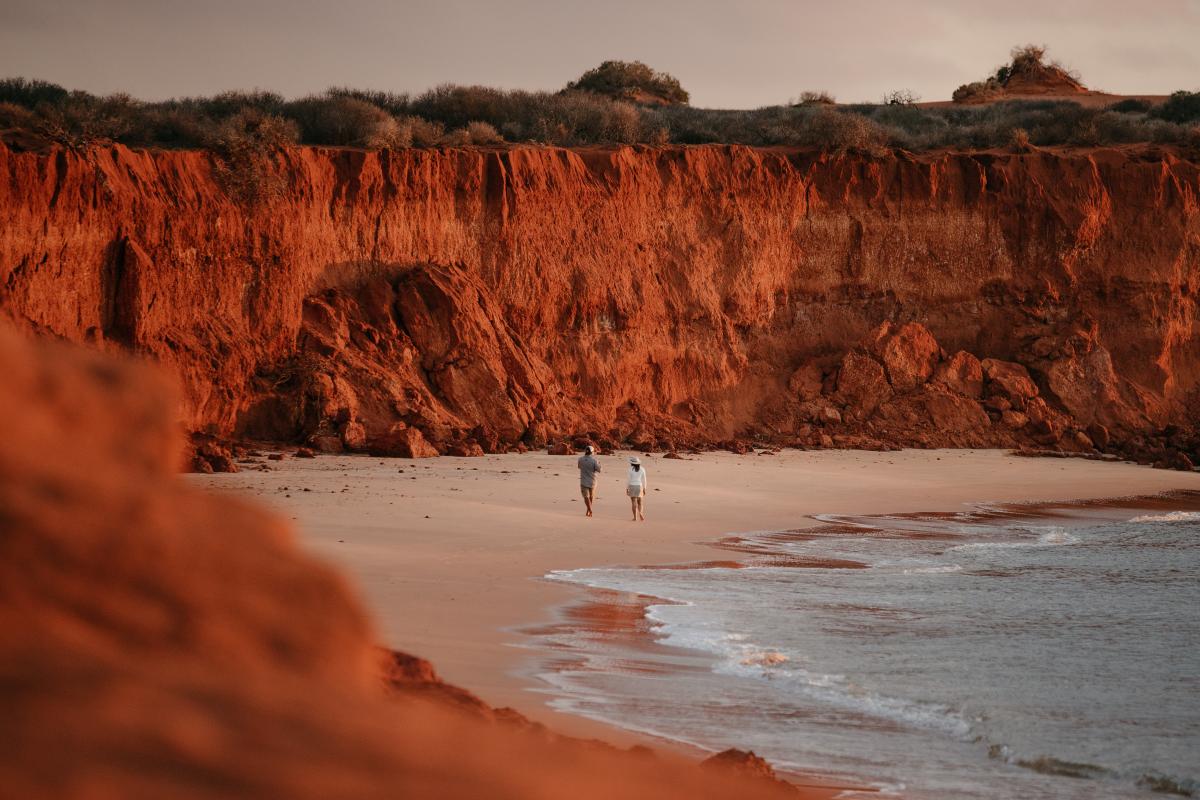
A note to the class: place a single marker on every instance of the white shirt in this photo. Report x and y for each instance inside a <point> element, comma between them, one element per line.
<point>637,477</point>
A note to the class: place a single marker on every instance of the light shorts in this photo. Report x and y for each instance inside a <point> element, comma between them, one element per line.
<point>636,491</point>
<point>588,492</point>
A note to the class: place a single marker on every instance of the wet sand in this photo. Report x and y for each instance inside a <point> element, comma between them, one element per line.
<point>449,553</point>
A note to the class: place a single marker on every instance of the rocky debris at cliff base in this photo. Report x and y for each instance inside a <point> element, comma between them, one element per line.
<point>210,455</point>
<point>401,441</point>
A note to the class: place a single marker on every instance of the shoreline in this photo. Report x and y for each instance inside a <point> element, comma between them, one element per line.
<point>590,624</point>
<point>450,554</point>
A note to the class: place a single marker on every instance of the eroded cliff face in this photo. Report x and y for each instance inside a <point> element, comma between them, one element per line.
<point>396,299</point>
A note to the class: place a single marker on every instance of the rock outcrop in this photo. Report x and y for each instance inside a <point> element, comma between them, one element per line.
<point>400,301</point>
<point>157,641</point>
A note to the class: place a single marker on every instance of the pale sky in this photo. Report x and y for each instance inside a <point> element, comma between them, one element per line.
<point>727,54</point>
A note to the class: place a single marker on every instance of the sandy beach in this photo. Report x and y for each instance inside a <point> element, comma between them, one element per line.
<point>448,553</point>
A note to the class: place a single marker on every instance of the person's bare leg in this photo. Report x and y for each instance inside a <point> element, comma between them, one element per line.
<point>633,503</point>
<point>587,501</point>
<point>639,510</point>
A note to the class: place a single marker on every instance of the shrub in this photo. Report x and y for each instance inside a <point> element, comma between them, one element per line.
<point>631,80</point>
<point>828,129</point>
<point>244,145</point>
<point>978,92</point>
<point>81,119</point>
<point>228,104</point>
<point>396,104</point>
<point>346,121</point>
<point>175,127</point>
<point>818,98</point>
<point>31,93</point>
<point>1181,106</point>
<point>1131,106</point>
<point>901,97</point>
<point>421,132</point>
<point>482,133</point>
<point>14,116</point>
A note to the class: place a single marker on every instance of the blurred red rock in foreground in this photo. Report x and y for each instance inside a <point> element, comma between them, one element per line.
<point>157,642</point>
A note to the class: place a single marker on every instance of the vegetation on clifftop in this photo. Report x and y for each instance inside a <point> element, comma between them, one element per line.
<point>616,103</point>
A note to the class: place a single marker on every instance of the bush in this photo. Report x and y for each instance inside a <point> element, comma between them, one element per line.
<point>978,92</point>
<point>819,98</point>
<point>81,119</point>
<point>476,133</point>
<point>901,97</point>
<point>347,122</point>
<point>244,145</point>
<point>29,94</point>
<point>421,132</point>
<point>229,104</point>
<point>631,80</point>
<point>396,104</point>
<point>1181,106</point>
<point>1131,106</point>
<point>834,130</point>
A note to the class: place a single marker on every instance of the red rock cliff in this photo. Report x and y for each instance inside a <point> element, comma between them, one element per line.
<point>637,292</point>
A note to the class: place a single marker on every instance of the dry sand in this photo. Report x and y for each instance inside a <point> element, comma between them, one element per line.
<point>449,552</point>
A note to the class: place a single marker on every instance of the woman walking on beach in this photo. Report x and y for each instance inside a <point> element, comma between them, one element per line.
<point>636,488</point>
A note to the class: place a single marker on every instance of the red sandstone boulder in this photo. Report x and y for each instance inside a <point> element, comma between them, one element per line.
<point>465,450</point>
<point>953,413</point>
<point>354,435</point>
<point>1087,387</point>
<point>805,383</point>
<point>909,354</point>
<point>487,438</point>
<point>305,452</point>
<point>862,384</point>
<point>962,373</point>
<point>1009,380</point>
<point>401,441</point>
<point>560,449</point>
<point>1098,434</point>
<point>1045,431</point>
<point>819,411</point>
<point>997,403</point>
<point>213,457</point>
<point>325,443</point>
<point>1013,419</point>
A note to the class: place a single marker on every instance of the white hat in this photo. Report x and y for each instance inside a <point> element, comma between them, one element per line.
<point>588,449</point>
<point>635,460</point>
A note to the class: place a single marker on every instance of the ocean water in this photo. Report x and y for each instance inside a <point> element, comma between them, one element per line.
<point>988,654</point>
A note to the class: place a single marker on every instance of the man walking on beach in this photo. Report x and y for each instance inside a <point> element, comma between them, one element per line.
<point>588,467</point>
